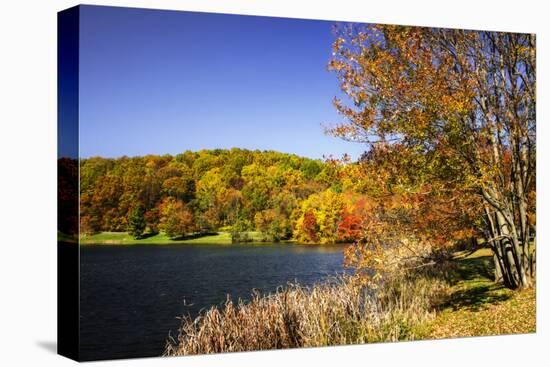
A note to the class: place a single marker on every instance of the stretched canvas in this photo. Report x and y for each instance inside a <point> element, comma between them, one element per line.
<point>240,183</point>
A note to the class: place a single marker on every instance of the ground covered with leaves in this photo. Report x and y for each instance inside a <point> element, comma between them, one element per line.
<point>479,307</point>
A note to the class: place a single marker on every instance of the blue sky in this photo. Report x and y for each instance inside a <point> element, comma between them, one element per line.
<point>162,82</point>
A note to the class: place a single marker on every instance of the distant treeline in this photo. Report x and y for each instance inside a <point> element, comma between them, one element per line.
<point>283,196</point>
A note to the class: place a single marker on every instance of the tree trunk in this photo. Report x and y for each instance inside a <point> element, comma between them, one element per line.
<point>498,269</point>
<point>507,252</point>
<point>510,250</point>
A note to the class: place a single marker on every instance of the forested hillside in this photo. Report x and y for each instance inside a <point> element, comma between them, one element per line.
<point>283,196</point>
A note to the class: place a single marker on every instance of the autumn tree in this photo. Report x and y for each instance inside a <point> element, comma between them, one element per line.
<point>409,217</point>
<point>350,227</point>
<point>175,219</point>
<point>307,228</point>
<point>180,184</point>
<point>152,219</point>
<point>318,218</point>
<point>259,186</point>
<point>462,103</point>
<point>210,190</point>
<point>273,224</point>
<point>90,215</point>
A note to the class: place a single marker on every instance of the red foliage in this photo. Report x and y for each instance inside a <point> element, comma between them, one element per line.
<point>310,226</point>
<point>349,228</point>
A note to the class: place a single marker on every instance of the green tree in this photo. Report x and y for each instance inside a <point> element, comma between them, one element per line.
<point>239,230</point>
<point>136,221</point>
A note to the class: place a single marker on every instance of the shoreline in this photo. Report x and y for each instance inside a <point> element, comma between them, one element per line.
<point>160,239</point>
<point>465,302</point>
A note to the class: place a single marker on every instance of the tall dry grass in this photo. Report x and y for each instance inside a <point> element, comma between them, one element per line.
<point>333,313</point>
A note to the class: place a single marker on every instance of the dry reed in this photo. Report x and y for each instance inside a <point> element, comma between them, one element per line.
<point>332,313</point>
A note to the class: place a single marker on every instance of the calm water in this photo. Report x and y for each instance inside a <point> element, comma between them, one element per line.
<point>131,296</point>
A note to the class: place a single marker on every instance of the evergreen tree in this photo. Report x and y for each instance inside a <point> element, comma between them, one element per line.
<point>136,221</point>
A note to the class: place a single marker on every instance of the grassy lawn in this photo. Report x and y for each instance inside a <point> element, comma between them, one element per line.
<point>123,238</point>
<point>478,307</point>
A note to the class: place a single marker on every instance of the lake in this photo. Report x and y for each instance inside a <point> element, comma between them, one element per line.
<point>131,296</point>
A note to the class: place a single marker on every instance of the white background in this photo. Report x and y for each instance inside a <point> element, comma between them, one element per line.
<point>28,181</point>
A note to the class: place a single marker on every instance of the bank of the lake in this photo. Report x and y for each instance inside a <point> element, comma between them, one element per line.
<point>454,299</point>
<point>132,295</point>
<point>124,238</point>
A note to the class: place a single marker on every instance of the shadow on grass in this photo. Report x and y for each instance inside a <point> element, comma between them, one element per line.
<point>147,235</point>
<point>474,268</point>
<point>194,236</point>
<point>479,289</point>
